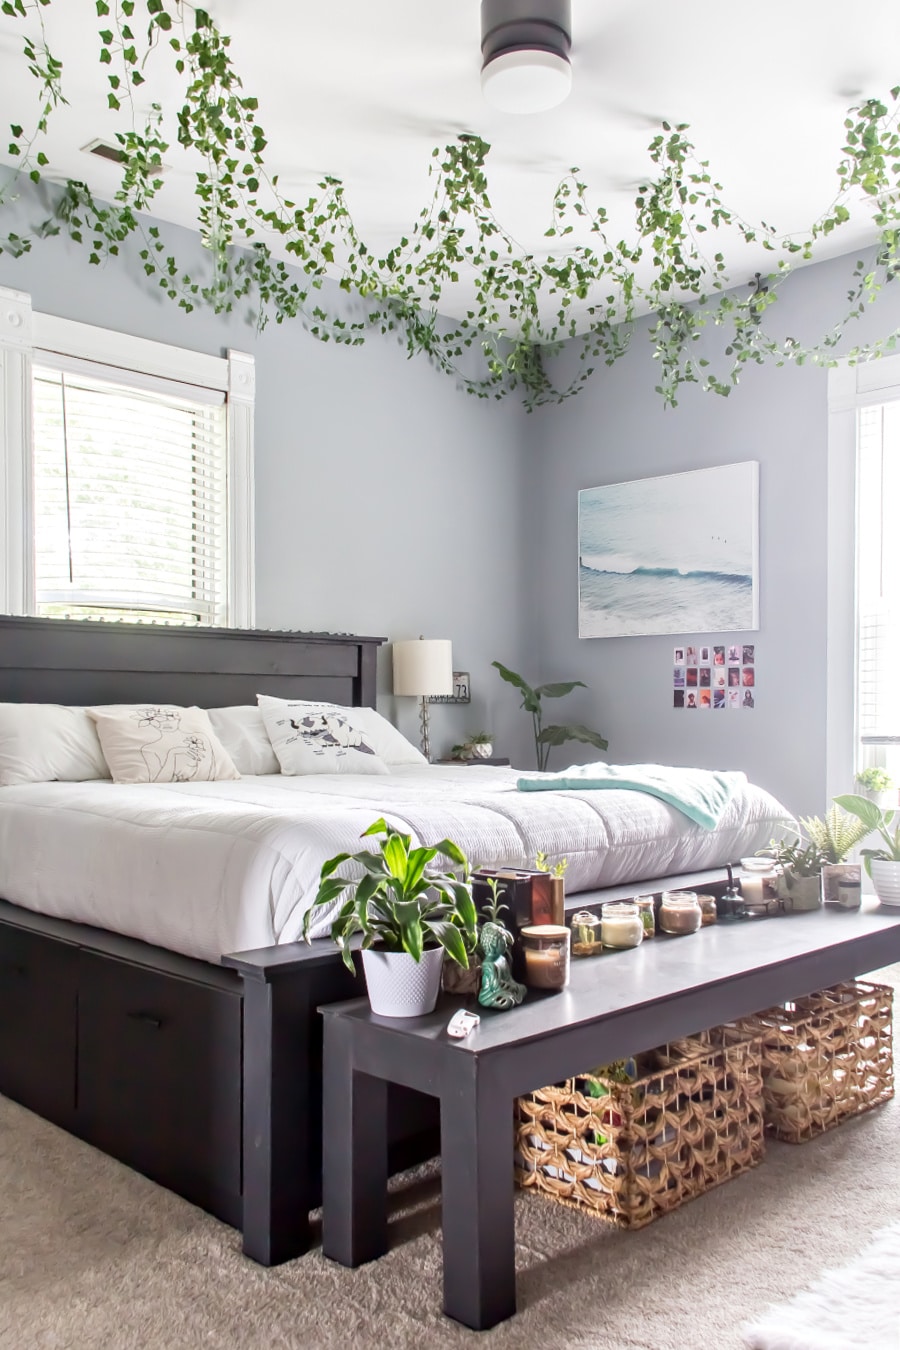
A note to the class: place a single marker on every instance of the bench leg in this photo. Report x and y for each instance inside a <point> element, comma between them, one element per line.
<point>354,1155</point>
<point>477,1200</point>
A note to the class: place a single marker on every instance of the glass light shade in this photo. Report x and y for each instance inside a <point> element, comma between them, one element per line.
<point>526,81</point>
<point>423,667</point>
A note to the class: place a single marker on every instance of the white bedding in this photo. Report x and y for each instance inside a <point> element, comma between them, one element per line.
<point>211,868</point>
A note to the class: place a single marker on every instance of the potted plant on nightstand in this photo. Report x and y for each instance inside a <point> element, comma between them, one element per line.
<point>882,863</point>
<point>409,916</point>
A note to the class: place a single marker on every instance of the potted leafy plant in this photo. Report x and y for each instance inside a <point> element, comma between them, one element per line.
<point>801,867</point>
<point>878,785</point>
<point>409,916</point>
<point>479,746</point>
<point>546,737</point>
<point>882,863</point>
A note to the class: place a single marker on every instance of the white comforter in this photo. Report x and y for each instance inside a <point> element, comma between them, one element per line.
<point>210,868</point>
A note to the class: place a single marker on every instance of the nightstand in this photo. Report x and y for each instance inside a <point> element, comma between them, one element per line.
<point>493,760</point>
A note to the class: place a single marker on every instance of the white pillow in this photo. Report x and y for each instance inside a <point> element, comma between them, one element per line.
<point>158,743</point>
<point>389,744</point>
<point>317,738</point>
<point>45,742</point>
<point>243,733</point>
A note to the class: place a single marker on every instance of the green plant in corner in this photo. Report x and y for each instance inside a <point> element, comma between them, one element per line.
<point>873,818</point>
<point>399,904</point>
<point>801,858</point>
<point>546,737</point>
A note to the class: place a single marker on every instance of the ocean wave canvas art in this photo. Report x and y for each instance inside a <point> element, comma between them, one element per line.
<point>677,554</point>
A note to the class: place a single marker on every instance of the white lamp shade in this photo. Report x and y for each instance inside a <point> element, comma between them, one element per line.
<point>526,81</point>
<point>423,667</point>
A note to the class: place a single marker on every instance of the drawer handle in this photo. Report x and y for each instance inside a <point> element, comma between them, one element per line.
<point>147,1019</point>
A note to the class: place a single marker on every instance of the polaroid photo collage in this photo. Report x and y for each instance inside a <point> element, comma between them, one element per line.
<point>715,677</point>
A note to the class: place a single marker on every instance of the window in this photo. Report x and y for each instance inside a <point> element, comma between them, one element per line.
<point>128,468</point>
<point>864,570</point>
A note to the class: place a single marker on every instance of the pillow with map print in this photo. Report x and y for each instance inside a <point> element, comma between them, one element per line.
<point>317,738</point>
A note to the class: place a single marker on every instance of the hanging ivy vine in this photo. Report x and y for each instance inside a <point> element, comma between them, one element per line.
<point>524,307</point>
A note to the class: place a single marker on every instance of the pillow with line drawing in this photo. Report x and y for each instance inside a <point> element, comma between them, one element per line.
<point>317,738</point>
<point>159,743</point>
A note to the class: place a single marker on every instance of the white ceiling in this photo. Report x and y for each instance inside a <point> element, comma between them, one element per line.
<point>365,90</point>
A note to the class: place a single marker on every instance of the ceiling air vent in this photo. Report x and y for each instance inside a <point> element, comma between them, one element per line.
<point>103,150</point>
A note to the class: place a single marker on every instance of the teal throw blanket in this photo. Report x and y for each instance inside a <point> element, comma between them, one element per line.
<point>702,794</point>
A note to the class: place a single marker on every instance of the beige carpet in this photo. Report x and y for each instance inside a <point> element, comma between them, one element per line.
<point>93,1255</point>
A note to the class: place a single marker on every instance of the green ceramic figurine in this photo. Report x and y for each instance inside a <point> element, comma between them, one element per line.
<point>498,988</point>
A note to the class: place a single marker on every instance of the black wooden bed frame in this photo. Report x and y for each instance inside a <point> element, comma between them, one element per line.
<point>208,1079</point>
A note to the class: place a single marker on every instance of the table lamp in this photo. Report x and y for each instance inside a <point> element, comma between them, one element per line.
<point>423,669</point>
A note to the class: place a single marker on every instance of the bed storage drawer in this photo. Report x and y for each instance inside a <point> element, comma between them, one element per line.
<point>159,1078</point>
<point>38,999</point>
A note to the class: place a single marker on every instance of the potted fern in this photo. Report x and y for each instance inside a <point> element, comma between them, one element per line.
<point>410,916</point>
<point>814,861</point>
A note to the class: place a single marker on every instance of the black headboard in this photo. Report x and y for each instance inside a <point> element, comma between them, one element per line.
<point>83,661</point>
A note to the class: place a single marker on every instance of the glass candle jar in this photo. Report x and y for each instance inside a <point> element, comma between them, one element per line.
<point>759,880</point>
<point>586,939</point>
<point>621,924</point>
<point>647,910</point>
<point>708,911</point>
<point>679,912</point>
<point>546,951</point>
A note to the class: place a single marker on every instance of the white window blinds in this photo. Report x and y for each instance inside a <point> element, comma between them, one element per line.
<point>878,570</point>
<point>130,499</point>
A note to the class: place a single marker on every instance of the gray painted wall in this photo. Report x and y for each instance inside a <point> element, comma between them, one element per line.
<point>387,501</point>
<point>618,429</point>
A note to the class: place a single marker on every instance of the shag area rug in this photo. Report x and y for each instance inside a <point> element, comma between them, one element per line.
<point>95,1257</point>
<point>855,1307</point>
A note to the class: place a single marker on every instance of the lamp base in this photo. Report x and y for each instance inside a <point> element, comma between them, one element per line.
<point>423,728</point>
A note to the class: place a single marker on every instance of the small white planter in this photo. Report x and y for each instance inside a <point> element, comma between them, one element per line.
<point>886,879</point>
<point>481,750</point>
<point>399,986</point>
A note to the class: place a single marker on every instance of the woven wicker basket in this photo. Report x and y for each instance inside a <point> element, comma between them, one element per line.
<point>691,1120</point>
<point>825,1058</point>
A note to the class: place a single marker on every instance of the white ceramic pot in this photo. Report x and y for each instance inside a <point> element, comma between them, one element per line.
<point>400,986</point>
<point>886,879</point>
<point>482,750</point>
<point>804,893</point>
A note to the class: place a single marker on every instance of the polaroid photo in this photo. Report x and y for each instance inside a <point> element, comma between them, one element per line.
<point>705,677</point>
<point>691,699</point>
<point>747,700</point>
<point>718,656</point>
<point>678,678</point>
<point>704,656</point>
<point>749,657</point>
<point>679,656</point>
<point>692,657</point>
<point>691,677</point>
<point>734,656</point>
<point>749,677</point>
<point>718,698</point>
<point>705,698</point>
<point>734,698</point>
<point>678,698</point>
<point>734,677</point>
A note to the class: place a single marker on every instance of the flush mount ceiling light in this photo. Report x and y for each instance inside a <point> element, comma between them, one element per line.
<point>525,47</point>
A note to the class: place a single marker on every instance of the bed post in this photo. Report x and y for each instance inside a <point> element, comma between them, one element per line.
<point>282,1091</point>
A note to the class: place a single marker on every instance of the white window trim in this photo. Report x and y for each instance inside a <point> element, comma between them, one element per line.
<point>850,387</point>
<point>24,332</point>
